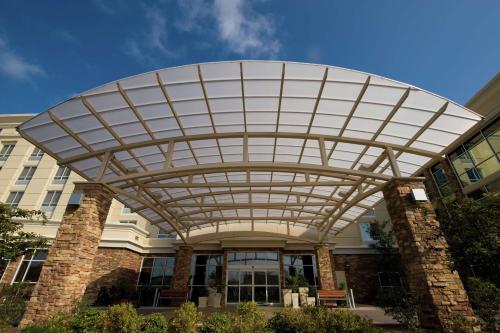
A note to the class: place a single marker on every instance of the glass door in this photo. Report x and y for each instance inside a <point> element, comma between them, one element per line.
<point>253,276</point>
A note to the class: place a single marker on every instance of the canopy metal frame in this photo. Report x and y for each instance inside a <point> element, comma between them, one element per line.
<point>195,172</point>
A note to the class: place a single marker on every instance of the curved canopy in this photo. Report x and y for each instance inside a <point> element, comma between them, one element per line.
<point>298,149</point>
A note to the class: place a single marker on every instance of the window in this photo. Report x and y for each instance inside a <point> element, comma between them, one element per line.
<point>252,258</point>
<point>36,154</point>
<point>50,201</point>
<point>441,180</point>
<point>156,273</point>
<point>62,175</point>
<point>26,175</point>
<point>365,228</point>
<point>126,210</point>
<point>6,151</point>
<point>165,235</point>
<point>14,198</point>
<point>206,271</point>
<point>4,263</point>
<point>479,157</point>
<point>303,264</point>
<point>134,222</point>
<point>31,266</point>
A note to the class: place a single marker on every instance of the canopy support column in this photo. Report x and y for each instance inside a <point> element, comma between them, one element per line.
<point>439,290</point>
<point>182,269</point>
<point>67,269</point>
<point>325,265</point>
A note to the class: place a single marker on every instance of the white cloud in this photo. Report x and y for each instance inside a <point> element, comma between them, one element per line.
<point>14,66</point>
<point>244,30</point>
<point>147,45</point>
<point>237,25</point>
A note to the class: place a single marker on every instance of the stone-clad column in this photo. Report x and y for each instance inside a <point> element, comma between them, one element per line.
<point>182,269</point>
<point>423,248</point>
<point>324,262</point>
<point>67,269</point>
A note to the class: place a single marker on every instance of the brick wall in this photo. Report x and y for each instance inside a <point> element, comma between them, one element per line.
<point>110,266</point>
<point>361,274</point>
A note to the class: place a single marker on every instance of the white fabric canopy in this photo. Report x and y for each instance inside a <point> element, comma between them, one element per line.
<point>197,146</point>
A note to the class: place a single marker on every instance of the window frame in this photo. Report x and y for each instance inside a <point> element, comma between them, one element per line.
<point>24,180</point>
<point>30,261</point>
<point>5,152</point>
<point>51,206</point>
<point>63,178</point>
<point>14,204</point>
<point>36,154</point>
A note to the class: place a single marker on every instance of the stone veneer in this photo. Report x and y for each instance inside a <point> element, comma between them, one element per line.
<point>326,267</point>
<point>423,248</point>
<point>182,269</point>
<point>361,272</point>
<point>67,269</point>
<point>110,266</point>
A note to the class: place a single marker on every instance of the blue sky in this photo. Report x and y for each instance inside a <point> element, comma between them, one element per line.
<point>51,49</point>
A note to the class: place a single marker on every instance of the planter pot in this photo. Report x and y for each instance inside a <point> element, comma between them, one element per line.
<point>287,297</point>
<point>311,301</point>
<point>202,302</point>
<point>304,290</point>
<point>303,299</point>
<point>214,300</point>
<point>295,300</point>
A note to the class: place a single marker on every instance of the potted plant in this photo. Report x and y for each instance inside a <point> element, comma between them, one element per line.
<point>294,282</point>
<point>203,299</point>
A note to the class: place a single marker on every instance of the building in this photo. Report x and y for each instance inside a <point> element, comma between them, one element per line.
<point>240,173</point>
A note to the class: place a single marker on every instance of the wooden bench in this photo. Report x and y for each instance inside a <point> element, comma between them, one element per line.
<point>333,295</point>
<point>180,295</point>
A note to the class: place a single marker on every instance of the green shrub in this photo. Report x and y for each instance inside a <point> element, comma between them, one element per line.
<point>460,324</point>
<point>400,304</point>
<point>154,323</point>
<point>217,322</point>
<point>121,318</point>
<point>248,319</point>
<point>319,320</point>
<point>86,320</point>
<point>13,300</point>
<point>185,319</point>
<point>56,324</point>
<point>485,299</point>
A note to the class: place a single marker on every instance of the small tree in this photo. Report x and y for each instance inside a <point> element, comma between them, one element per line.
<point>13,241</point>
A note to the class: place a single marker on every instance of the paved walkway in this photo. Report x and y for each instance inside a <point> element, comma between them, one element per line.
<point>369,311</point>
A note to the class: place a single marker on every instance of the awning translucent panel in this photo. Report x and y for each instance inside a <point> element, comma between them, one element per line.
<point>251,142</point>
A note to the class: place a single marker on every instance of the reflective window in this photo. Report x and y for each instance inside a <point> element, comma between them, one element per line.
<point>14,198</point>
<point>6,151</point>
<point>441,180</point>
<point>62,175</point>
<point>50,201</point>
<point>165,235</point>
<point>31,266</point>
<point>478,158</point>
<point>156,274</point>
<point>126,210</point>
<point>304,264</point>
<point>156,271</point>
<point>252,258</point>
<point>364,229</point>
<point>26,175</point>
<point>206,271</point>
<point>36,154</point>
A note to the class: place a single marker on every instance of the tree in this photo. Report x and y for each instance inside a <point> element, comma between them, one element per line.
<point>473,234</point>
<point>13,241</point>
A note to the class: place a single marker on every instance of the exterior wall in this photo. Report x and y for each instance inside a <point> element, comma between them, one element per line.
<point>361,274</point>
<point>110,266</point>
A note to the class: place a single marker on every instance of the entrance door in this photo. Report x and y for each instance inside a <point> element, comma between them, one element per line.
<point>253,276</point>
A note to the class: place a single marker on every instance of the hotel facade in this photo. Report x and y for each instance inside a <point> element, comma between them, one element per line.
<point>184,179</point>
